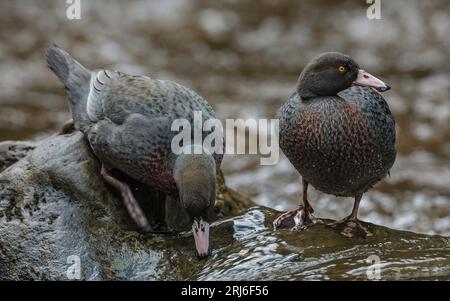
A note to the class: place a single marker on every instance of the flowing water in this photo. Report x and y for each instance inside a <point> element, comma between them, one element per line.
<point>244,57</point>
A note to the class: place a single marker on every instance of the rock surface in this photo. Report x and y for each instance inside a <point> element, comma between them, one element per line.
<point>55,208</point>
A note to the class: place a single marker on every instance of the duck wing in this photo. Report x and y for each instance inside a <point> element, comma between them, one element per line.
<point>139,146</point>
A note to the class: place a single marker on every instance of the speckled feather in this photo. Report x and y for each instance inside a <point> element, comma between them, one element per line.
<point>341,145</point>
<point>131,119</point>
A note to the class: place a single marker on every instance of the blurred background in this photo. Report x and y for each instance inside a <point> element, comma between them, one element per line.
<point>244,57</point>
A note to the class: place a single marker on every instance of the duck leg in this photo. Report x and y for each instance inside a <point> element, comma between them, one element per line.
<point>130,203</point>
<point>302,216</point>
<point>351,226</point>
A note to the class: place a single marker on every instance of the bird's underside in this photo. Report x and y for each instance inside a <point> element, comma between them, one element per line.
<point>341,176</point>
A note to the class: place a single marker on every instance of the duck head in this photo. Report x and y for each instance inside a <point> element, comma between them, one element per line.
<point>331,72</point>
<point>195,176</point>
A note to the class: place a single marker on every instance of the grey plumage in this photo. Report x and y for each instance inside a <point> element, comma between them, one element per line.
<point>139,111</point>
<point>127,120</point>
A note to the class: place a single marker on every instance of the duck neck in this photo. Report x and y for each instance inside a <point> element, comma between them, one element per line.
<point>305,87</point>
<point>195,177</point>
<point>305,93</point>
<point>194,169</point>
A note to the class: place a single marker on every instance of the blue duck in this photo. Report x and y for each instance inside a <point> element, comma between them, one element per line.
<point>127,121</point>
<point>339,134</point>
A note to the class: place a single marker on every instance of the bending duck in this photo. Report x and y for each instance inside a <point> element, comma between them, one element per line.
<point>127,121</point>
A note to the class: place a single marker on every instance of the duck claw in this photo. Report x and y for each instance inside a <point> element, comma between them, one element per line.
<point>301,218</point>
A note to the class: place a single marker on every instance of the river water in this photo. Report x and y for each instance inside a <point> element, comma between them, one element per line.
<point>244,57</point>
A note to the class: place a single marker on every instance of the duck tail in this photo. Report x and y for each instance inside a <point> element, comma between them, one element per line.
<point>76,80</point>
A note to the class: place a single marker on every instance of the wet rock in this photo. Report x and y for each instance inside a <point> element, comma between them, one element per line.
<point>256,252</point>
<point>56,212</point>
<point>54,204</point>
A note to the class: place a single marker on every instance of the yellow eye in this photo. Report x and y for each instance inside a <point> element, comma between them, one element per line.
<point>341,68</point>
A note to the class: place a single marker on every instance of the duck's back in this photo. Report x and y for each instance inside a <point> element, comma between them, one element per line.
<point>116,95</point>
<point>340,145</point>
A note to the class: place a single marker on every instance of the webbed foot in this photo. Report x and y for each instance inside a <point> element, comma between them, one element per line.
<point>351,227</point>
<point>301,217</point>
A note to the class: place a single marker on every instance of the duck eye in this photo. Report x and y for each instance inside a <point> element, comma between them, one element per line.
<point>341,68</point>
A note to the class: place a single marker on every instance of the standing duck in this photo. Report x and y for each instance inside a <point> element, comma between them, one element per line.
<point>341,144</point>
<point>127,121</point>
